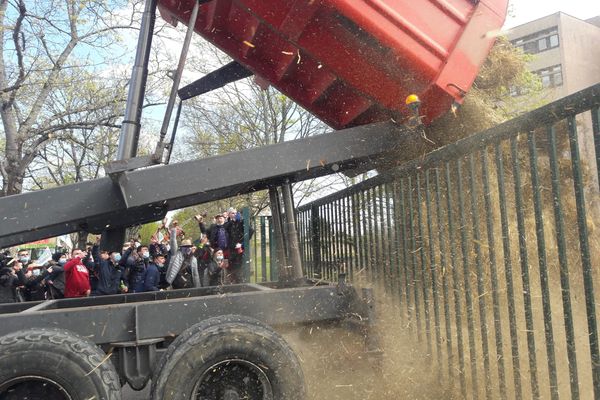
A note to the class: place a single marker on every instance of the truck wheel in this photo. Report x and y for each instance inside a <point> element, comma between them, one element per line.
<point>54,364</point>
<point>228,358</point>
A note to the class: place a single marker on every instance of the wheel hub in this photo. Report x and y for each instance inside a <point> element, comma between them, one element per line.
<point>33,388</point>
<point>234,379</point>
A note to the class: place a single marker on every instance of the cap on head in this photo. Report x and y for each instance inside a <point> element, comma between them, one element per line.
<point>186,242</point>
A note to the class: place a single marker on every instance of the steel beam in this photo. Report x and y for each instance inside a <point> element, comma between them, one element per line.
<point>123,318</point>
<point>146,195</point>
<point>216,79</point>
<point>128,141</point>
<point>291,231</point>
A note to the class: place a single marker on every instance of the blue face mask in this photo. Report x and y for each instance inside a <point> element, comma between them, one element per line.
<point>62,261</point>
<point>117,257</point>
<point>24,260</point>
<point>146,255</point>
<point>160,265</point>
<point>36,272</point>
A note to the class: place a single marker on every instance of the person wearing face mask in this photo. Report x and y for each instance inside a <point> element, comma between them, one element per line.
<point>109,273</point>
<point>152,280</point>
<point>215,268</point>
<point>24,259</point>
<point>34,288</point>
<point>55,282</point>
<point>77,275</point>
<point>135,261</point>
<point>183,266</point>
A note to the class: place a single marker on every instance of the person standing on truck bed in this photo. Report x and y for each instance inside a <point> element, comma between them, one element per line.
<point>77,275</point>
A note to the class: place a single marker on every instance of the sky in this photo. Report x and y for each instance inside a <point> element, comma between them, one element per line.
<point>522,11</point>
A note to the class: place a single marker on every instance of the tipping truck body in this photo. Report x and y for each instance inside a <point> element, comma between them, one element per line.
<point>353,62</point>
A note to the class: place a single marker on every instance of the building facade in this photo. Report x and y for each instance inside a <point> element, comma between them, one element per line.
<point>566,57</point>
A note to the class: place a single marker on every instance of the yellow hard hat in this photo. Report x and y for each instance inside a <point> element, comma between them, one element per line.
<point>413,98</point>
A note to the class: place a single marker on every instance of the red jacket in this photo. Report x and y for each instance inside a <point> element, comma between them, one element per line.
<point>77,278</point>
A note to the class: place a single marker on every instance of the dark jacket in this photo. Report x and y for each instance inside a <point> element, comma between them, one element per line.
<point>203,255</point>
<point>235,228</point>
<point>56,281</point>
<point>213,234</point>
<point>109,277</point>
<point>214,273</point>
<point>152,279</point>
<point>8,286</point>
<point>35,288</point>
<point>157,248</point>
<point>135,271</point>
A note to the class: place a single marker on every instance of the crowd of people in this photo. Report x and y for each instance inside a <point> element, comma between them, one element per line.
<point>169,261</point>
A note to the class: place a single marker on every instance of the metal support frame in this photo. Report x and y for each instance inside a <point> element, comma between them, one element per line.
<point>112,239</point>
<point>128,141</point>
<point>281,261</point>
<point>176,79</point>
<point>110,320</point>
<point>315,229</point>
<point>138,198</point>
<point>169,146</point>
<point>136,361</point>
<point>292,233</point>
<point>228,73</point>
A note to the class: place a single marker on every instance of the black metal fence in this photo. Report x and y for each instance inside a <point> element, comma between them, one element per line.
<point>262,251</point>
<point>490,246</point>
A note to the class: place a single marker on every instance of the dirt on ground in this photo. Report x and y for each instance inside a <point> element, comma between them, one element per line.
<point>336,366</point>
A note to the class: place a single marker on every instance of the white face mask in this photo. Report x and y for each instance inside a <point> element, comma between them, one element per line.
<point>219,258</point>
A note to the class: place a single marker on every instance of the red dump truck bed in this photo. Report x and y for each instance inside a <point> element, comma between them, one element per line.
<point>353,62</point>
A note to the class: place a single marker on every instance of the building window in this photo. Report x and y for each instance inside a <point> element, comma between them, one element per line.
<point>538,42</point>
<point>551,76</point>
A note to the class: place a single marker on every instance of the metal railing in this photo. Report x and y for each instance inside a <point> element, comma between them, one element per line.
<point>487,246</point>
<point>262,251</point>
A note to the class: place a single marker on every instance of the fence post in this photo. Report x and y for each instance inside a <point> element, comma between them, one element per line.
<point>246,244</point>
<point>316,240</point>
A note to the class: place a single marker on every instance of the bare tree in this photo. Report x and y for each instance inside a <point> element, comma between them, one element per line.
<point>43,46</point>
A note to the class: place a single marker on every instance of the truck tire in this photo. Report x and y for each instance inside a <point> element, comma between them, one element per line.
<point>228,357</point>
<point>54,364</point>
